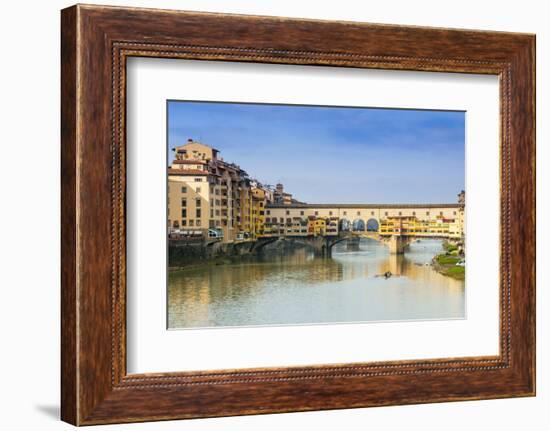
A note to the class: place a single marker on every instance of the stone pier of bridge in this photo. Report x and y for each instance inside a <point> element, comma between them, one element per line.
<point>397,244</point>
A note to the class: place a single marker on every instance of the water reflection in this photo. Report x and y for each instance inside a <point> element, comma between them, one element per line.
<point>298,289</point>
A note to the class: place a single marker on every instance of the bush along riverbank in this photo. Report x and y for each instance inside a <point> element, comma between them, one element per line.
<point>450,263</point>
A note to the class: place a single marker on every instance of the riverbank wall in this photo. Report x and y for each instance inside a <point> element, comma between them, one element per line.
<point>186,254</point>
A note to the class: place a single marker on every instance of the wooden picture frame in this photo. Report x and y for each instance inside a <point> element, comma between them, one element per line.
<point>95,42</point>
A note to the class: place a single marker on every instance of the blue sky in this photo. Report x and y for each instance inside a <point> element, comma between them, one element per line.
<point>333,154</point>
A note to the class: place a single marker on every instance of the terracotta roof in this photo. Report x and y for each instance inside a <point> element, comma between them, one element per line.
<point>189,162</point>
<point>186,172</point>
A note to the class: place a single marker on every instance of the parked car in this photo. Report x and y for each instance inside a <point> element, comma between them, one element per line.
<point>215,233</point>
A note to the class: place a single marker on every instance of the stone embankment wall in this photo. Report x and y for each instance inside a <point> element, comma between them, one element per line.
<point>182,253</point>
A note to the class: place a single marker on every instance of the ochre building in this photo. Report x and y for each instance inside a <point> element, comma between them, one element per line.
<point>209,197</point>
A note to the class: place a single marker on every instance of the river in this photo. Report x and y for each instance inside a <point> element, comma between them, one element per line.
<point>299,288</point>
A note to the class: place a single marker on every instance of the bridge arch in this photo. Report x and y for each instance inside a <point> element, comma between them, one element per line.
<point>261,243</point>
<point>315,244</point>
<point>372,225</point>
<point>359,225</point>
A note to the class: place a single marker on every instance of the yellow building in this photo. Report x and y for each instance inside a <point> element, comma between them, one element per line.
<point>207,194</point>
<point>200,191</point>
<point>258,211</point>
<point>188,200</point>
<point>411,226</point>
<point>319,226</point>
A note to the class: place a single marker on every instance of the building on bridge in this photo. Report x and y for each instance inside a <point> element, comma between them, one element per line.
<point>428,220</point>
<point>412,226</point>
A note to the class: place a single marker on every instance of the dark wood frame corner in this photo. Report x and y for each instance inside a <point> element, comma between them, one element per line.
<point>95,42</point>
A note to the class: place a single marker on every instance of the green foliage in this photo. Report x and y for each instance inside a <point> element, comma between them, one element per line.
<point>447,260</point>
<point>458,272</point>
<point>451,247</point>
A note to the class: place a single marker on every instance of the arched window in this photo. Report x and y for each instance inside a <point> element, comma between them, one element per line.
<point>372,225</point>
<point>359,225</point>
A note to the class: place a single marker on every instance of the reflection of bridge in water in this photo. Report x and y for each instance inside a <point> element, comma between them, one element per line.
<point>322,244</point>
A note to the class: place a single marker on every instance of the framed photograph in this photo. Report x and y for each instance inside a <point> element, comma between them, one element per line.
<point>263,214</point>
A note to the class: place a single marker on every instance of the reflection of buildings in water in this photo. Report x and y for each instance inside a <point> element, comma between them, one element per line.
<point>351,272</point>
<point>184,291</point>
<point>217,284</point>
<point>394,263</point>
<point>305,268</point>
<point>200,295</point>
<point>399,264</point>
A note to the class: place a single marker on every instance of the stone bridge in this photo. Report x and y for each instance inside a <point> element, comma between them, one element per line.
<point>322,244</point>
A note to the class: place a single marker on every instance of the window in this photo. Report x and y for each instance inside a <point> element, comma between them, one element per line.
<point>454,212</point>
<point>184,202</point>
<point>281,220</point>
<point>198,202</point>
<point>198,222</point>
<point>386,213</point>
<point>330,213</point>
<point>287,212</point>
<point>198,189</point>
<point>184,222</point>
<point>358,213</point>
<point>198,180</point>
<point>372,213</point>
<point>316,212</point>
<point>184,189</point>
<point>191,222</point>
<point>198,213</point>
<point>427,213</point>
<point>217,212</point>
<point>414,213</point>
<point>301,213</point>
<point>184,212</point>
<point>345,213</point>
<point>211,213</point>
<point>399,212</point>
<point>441,213</point>
<point>268,212</point>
